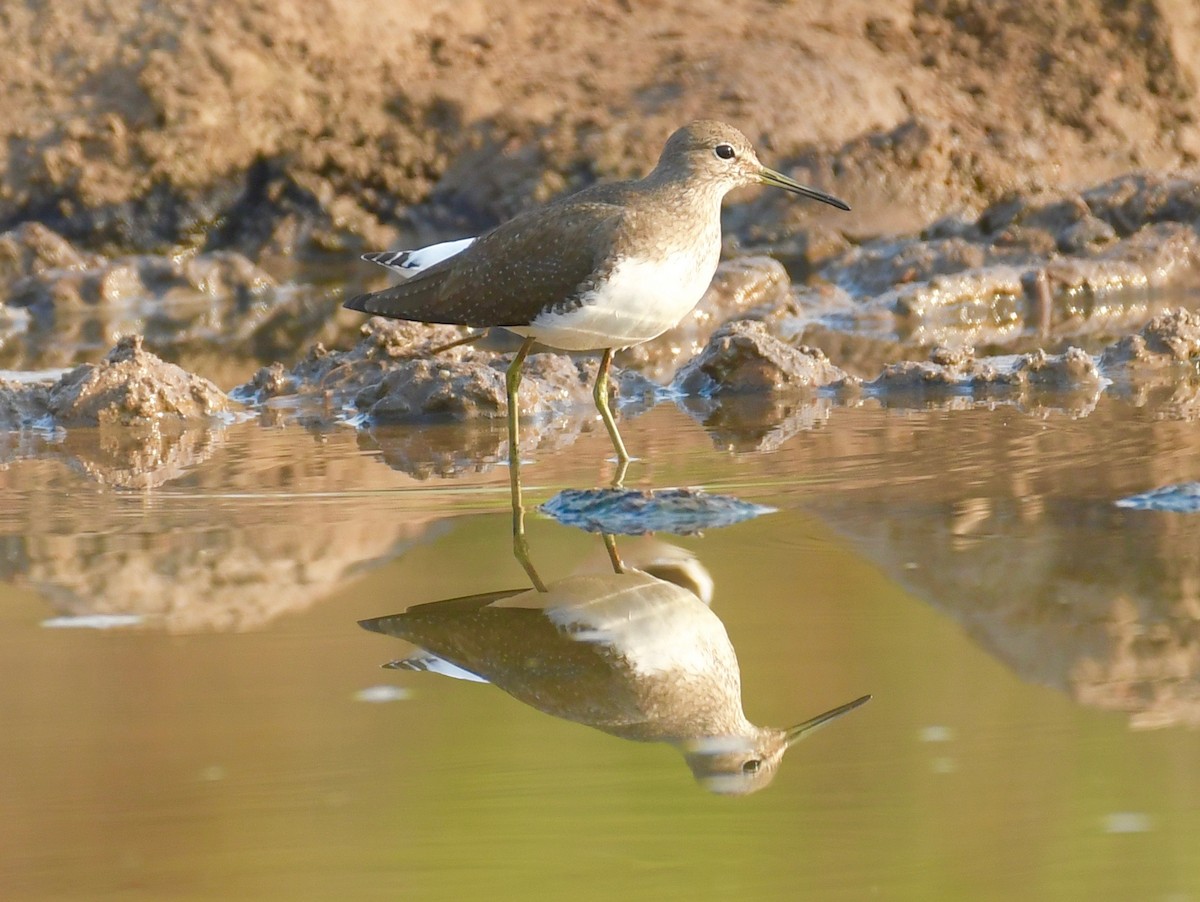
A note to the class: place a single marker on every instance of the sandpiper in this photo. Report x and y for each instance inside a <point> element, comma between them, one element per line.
<point>627,653</point>
<point>609,267</point>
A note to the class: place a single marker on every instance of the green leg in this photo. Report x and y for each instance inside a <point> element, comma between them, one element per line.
<point>610,545</point>
<point>512,382</point>
<point>600,393</point>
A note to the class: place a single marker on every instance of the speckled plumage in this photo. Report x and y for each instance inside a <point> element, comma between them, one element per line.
<point>553,260</point>
<point>627,653</point>
<point>609,267</point>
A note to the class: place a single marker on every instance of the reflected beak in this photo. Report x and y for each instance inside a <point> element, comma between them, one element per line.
<point>779,180</point>
<point>798,732</point>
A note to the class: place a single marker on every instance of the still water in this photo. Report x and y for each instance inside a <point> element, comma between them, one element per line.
<point>1032,650</point>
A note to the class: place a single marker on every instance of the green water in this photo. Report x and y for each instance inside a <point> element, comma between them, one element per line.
<point>1031,649</point>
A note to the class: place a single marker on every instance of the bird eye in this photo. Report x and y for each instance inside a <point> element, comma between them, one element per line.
<point>751,766</point>
<point>725,151</point>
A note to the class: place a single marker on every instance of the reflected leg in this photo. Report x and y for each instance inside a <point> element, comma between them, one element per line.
<point>520,544</point>
<point>610,545</point>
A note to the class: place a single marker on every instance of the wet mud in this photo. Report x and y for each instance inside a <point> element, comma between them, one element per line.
<point>128,387</point>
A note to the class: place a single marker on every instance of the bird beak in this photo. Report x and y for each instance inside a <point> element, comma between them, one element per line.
<point>798,732</point>
<point>779,180</point>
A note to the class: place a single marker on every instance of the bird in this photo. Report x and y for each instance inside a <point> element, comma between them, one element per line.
<point>626,653</point>
<point>608,267</point>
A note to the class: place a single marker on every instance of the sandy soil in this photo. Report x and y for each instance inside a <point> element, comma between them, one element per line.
<point>322,125</point>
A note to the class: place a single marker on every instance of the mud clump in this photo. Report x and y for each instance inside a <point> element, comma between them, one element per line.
<point>131,386</point>
<point>1131,201</point>
<point>945,371</point>
<point>636,512</point>
<point>32,249</point>
<point>1171,339</point>
<point>23,404</point>
<point>217,311</point>
<point>431,387</point>
<point>744,358</point>
<point>959,372</point>
<point>874,268</point>
<point>1041,265</point>
<point>1072,370</point>
<point>389,377</point>
<point>335,377</point>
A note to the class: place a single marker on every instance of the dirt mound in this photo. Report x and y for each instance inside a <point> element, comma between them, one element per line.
<point>274,126</point>
<point>129,387</point>
<point>744,358</point>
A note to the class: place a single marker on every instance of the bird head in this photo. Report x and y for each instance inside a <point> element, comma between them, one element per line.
<point>716,154</point>
<point>742,764</point>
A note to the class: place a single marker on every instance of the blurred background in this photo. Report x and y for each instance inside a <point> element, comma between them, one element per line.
<point>209,471</point>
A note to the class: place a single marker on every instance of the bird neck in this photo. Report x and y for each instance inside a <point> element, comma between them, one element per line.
<point>680,194</point>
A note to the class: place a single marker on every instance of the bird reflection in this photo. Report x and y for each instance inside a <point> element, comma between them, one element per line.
<point>626,652</point>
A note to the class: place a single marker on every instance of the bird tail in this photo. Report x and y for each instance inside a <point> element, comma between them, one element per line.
<point>416,300</point>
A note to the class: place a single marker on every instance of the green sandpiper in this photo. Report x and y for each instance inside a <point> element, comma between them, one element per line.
<point>627,653</point>
<point>611,266</point>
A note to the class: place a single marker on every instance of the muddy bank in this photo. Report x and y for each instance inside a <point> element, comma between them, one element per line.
<point>1043,270</point>
<point>934,318</point>
<point>129,387</point>
<point>391,376</point>
<point>748,388</point>
<point>1155,369</point>
<point>270,130</point>
<point>39,269</point>
<point>214,312</point>
<point>1032,270</point>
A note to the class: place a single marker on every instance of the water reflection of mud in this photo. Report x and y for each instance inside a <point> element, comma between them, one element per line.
<point>444,450</point>
<point>1026,549</point>
<point>636,653</point>
<point>132,457</point>
<point>248,537</point>
<point>757,423</point>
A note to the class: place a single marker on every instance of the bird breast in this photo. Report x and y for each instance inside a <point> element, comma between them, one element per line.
<point>638,300</point>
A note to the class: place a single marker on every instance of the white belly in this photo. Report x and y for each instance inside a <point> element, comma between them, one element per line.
<point>639,301</point>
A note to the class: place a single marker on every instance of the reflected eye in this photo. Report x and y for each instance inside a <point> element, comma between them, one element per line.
<point>751,766</point>
<point>725,151</point>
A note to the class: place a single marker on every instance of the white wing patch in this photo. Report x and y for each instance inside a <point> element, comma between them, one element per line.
<point>409,263</point>
<point>431,663</point>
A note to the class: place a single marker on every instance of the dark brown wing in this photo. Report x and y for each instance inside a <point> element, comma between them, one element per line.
<point>540,259</point>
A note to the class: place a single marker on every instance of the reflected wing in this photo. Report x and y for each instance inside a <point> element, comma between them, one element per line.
<point>392,624</point>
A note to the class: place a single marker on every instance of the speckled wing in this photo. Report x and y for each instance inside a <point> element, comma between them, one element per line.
<point>543,259</point>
